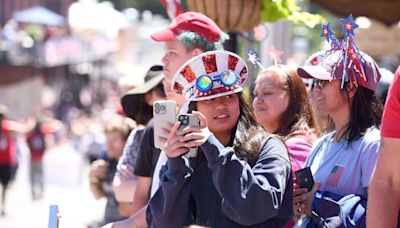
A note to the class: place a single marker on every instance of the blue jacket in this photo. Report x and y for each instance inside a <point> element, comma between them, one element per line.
<point>332,210</point>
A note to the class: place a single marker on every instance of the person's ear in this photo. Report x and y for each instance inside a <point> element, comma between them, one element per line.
<point>197,51</point>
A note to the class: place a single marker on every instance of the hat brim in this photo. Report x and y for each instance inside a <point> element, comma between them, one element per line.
<point>147,86</point>
<point>164,35</point>
<point>317,72</point>
<point>131,100</point>
<point>238,90</point>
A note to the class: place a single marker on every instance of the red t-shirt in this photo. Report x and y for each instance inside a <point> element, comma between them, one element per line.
<point>7,148</point>
<point>36,144</point>
<point>391,115</point>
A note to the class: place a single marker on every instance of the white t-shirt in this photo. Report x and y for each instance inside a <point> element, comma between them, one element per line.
<point>162,160</point>
<point>343,169</point>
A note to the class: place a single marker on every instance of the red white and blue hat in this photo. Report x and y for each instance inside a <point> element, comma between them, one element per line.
<point>209,75</point>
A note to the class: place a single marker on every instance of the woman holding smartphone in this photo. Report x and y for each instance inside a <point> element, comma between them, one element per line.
<point>342,161</point>
<point>241,176</point>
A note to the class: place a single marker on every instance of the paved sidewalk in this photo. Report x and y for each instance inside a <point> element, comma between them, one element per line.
<point>66,184</point>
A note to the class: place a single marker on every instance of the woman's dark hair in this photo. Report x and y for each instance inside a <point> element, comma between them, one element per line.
<point>365,112</point>
<point>146,110</point>
<point>247,136</point>
<point>299,117</point>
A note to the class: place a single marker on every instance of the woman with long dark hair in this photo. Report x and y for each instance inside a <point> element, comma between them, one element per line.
<point>342,161</point>
<point>241,175</point>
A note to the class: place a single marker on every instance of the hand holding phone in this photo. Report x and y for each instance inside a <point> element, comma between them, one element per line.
<point>305,178</point>
<point>186,121</point>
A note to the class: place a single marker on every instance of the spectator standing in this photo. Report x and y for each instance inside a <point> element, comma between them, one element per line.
<point>37,146</point>
<point>342,161</point>
<point>384,195</point>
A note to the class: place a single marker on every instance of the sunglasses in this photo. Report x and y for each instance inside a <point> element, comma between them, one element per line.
<point>318,83</point>
<point>205,83</point>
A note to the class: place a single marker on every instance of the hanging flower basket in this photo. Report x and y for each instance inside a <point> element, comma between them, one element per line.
<point>230,15</point>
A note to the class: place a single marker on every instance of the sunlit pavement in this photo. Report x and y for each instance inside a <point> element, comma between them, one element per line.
<point>66,184</point>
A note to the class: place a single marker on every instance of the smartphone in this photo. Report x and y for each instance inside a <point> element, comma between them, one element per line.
<point>164,112</point>
<point>305,178</point>
<point>189,120</point>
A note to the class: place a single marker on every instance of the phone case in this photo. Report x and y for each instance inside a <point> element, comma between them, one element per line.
<point>164,111</point>
<point>189,120</point>
<point>305,178</point>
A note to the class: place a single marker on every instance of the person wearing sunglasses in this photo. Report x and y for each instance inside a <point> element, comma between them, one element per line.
<point>325,124</point>
<point>282,106</point>
<point>241,176</point>
<point>341,161</point>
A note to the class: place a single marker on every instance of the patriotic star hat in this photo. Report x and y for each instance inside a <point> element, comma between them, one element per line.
<point>344,61</point>
<point>209,75</point>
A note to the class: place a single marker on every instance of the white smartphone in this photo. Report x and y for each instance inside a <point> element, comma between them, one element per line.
<point>189,120</point>
<point>164,112</point>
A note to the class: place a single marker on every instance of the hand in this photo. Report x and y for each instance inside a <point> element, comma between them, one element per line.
<point>178,142</point>
<point>98,170</point>
<point>165,131</point>
<point>302,199</point>
<point>125,172</point>
<point>195,136</point>
<point>173,146</point>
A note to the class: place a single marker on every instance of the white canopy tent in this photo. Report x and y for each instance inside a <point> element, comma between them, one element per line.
<point>88,14</point>
<point>39,15</point>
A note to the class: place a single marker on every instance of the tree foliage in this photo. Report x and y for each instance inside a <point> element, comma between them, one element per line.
<point>273,10</point>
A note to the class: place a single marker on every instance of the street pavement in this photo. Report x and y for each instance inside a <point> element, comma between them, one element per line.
<point>66,185</point>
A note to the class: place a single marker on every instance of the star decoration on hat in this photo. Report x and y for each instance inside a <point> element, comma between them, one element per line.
<point>349,25</point>
<point>254,58</point>
<point>275,54</point>
<point>327,32</point>
<point>335,44</point>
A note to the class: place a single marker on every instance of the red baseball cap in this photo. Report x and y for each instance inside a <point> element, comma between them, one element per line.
<point>190,22</point>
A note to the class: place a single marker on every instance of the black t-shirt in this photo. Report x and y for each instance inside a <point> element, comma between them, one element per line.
<point>148,154</point>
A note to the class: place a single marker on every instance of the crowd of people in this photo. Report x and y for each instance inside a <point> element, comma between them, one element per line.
<point>15,137</point>
<point>244,172</point>
<point>248,153</point>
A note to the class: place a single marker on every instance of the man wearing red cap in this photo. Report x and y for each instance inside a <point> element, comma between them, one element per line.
<point>190,34</point>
